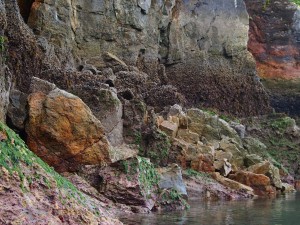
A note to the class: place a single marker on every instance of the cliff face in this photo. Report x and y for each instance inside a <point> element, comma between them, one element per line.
<point>275,38</point>
<point>274,41</point>
<point>183,43</point>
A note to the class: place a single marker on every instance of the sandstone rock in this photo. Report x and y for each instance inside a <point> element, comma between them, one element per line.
<point>39,85</point>
<point>252,159</point>
<point>208,188</point>
<point>273,41</point>
<point>239,128</point>
<point>176,110</point>
<point>269,170</point>
<point>210,126</point>
<point>169,128</point>
<point>171,178</point>
<point>260,183</point>
<point>110,115</point>
<point>223,166</point>
<point>237,151</point>
<point>113,60</point>
<point>62,130</point>
<point>203,163</point>
<point>221,155</point>
<point>188,136</point>
<point>233,184</point>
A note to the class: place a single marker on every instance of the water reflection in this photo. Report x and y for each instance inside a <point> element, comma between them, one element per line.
<point>283,210</point>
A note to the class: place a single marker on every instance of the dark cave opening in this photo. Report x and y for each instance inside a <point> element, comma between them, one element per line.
<point>25,7</point>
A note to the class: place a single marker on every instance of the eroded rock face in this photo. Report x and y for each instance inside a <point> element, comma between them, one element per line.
<point>274,41</point>
<point>274,38</point>
<point>203,58</point>
<point>260,183</point>
<point>5,76</point>
<point>63,131</point>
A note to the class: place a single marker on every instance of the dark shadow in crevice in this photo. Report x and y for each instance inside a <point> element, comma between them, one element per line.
<point>25,7</point>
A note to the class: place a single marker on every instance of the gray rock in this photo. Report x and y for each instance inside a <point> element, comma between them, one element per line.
<point>39,85</point>
<point>5,86</point>
<point>190,37</point>
<point>17,112</point>
<point>239,128</point>
<point>171,177</point>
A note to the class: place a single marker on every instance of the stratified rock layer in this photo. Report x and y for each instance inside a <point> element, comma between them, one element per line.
<point>274,41</point>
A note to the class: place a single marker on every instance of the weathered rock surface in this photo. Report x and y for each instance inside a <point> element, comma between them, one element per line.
<point>269,170</point>
<point>171,178</point>
<point>33,193</point>
<point>194,44</point>
<point>274,42</point>
<point>232,184</point>
<point>260,183</point>
<point>205,187</point>
<point>129,183</point>
<point>5,76</point>
<point>17,112</point>
<point>63,131</point>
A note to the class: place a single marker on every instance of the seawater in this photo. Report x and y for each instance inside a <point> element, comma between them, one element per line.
<point>282,210</point>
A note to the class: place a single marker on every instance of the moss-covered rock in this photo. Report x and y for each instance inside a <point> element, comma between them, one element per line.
<point>30,188</point>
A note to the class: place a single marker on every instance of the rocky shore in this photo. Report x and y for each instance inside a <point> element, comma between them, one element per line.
<point>136,107</point>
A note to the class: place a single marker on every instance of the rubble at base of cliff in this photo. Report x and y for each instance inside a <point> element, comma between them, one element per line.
<point>139,116</point>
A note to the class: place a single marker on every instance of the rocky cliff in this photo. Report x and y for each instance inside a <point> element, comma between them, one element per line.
<point>274,41</point>
<point>96,89</point>
<point>185,44</point>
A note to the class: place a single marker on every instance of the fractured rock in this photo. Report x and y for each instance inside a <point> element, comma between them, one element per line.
<point>169,128</point>
<point>203,163</point>
<point>63,131</point>
<point>269,170</point>
<point>259,182</point>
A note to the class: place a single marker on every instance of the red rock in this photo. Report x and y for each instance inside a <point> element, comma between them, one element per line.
<point>272,40</point>
<point>203,164</point>
<point>260,183</point>
<point>62,130</point>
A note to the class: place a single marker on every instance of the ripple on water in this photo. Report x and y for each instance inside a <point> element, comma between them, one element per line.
<point>283,210</point>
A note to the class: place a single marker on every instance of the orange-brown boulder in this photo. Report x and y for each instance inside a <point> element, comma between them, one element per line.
<point>203,164</point>
<point>63,131</point>
<point>260,183</point>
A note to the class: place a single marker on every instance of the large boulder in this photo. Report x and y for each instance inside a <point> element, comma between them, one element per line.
<point>269,170</point>
<point>232,184</point>
<point>260,183</point>
<point>62,130</point>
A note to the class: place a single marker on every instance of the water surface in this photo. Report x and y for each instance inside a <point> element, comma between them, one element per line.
<point>283,210</point>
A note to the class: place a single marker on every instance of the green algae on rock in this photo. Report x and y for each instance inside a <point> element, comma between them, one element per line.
<point>26,178</point>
